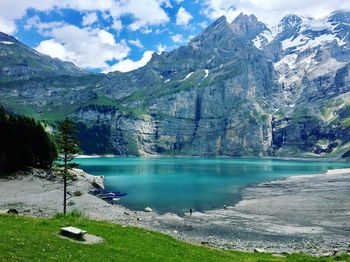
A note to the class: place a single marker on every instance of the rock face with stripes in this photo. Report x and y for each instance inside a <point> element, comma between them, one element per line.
<point>239,88</point>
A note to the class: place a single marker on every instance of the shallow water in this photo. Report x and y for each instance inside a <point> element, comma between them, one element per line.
<point>178,184</point>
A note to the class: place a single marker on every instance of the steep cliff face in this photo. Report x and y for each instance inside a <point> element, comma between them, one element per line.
<point>237,89</point>
<point>212,97</point>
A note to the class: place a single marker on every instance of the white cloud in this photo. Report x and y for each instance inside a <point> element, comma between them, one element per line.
<point>86,47</point>
<point>127,65</point>
<point>10,11</point>
<point>144,13</point>
<point>166,3</point>
<point>159,31</point>
<point>43,28</point>
<point>54,49</point>
<point>178,38</point>
<point>217,8</point>
<point>160,48</point>
<point>146,30</point>
<point>203,24</point>
<point>136,43</point>
<point>183,17</point>
<point>117,25</point>
<point>191,37</point>
<point>32,22</point>
<point>106,37</point>
<point>272,11</point>
<point>89,19</point>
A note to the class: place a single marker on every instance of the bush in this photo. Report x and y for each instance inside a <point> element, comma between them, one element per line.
<point>70,215</point>
<point>77,193</point>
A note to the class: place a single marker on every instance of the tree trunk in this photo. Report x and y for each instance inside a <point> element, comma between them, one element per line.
<point>64,194</point>
<point>65,173</point>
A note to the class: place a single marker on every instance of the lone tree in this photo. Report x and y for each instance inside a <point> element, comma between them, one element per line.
<point>67,148</point>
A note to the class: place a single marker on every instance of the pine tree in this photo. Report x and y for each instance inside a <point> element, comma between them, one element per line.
<point>24,143</point>
<point>67,148</point>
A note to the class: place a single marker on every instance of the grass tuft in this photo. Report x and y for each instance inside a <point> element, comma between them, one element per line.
<point>75,214</point>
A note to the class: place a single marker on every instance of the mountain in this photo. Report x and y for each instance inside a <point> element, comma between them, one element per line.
<point>35,84</point>
<point>311,58</point>
<point>237,89</point>
<point>20,62</point>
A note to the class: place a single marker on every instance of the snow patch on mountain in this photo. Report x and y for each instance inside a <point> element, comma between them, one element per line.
<point>211,59</point>
<point>188,76</point>
<point>206,73</point>
<point>6,42</point>
<point>303,42</point>
<point>291,70</point>
<point>299,33</point>
<point>309,23</point>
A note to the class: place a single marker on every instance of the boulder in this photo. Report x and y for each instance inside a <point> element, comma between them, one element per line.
<point>259,250</point>
<point>13,211</point>
<point>96,181</point>
<point>99,181</point>
<point>328,254</point>
<point>148,209</point>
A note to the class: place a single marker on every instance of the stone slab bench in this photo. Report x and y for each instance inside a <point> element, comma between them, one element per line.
<point>73,232</point>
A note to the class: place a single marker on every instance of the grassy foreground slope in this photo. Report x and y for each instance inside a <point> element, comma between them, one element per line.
<point>34,239</point>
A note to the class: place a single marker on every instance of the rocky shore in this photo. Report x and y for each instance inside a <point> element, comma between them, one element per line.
<point>299,214</point>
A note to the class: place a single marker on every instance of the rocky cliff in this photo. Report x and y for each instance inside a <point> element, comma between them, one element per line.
<point>237,89</point>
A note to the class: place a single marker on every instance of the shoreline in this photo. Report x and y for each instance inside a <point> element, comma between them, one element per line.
<point>316,159</point>
<point>259,220</point>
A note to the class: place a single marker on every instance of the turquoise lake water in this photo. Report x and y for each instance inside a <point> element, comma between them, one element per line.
<point>178,184</point>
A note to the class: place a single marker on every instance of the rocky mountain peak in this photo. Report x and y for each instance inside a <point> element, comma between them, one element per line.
<point>289,26</point>
<point>247,26</point>
<point>340,16</point>
<point>291,21</point>
<point>216,33</point>
<point>219,95</point>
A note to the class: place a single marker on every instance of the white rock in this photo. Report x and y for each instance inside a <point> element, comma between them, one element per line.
<point>148,209</point>
<point>259,250</point>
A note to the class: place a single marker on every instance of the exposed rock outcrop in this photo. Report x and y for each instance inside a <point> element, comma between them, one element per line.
<point>236,89</point>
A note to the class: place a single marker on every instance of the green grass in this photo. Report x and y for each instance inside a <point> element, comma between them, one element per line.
<point>346,122</point>
<point>104,101</point>
<point>34,239</point>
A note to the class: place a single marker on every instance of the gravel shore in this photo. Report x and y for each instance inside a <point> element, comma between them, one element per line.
<point>301,213</point>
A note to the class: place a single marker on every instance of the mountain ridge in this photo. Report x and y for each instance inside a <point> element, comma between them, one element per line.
<point>237,89</point>
<point>22,62</point>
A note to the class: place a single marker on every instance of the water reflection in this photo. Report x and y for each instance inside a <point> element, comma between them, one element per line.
<point>177,184</point>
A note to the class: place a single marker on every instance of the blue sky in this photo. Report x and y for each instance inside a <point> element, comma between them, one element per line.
<point>110,35</point>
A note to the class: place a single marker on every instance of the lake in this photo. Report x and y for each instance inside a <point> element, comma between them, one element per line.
<point>178,184</point>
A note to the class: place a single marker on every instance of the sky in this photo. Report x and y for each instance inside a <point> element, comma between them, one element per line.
<point>122,35</point>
